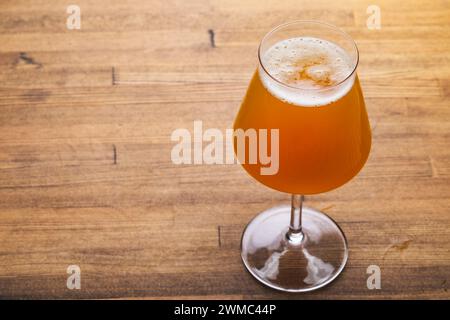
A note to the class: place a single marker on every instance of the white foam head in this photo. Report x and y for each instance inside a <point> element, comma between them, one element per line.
<point>309,71</point>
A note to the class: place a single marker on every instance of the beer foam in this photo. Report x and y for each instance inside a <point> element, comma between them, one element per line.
<point>311,69</point>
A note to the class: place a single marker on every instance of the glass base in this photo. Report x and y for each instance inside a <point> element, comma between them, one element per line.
<point>303,263</point>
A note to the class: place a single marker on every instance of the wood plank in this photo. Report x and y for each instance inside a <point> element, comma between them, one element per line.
<point>85,172</point>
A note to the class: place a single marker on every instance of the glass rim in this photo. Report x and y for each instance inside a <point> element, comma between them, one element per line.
<point>320,23</point>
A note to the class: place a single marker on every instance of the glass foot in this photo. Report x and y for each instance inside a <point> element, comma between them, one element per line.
<point>294,265</point>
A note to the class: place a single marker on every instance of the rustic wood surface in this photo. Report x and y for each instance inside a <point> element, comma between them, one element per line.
<point>85,171</point>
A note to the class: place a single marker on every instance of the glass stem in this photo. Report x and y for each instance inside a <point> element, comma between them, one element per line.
<point>295,234</point>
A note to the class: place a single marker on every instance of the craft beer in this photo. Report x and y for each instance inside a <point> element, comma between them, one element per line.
<point>307,88</point>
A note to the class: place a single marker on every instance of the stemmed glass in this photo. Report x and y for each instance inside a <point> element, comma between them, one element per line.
<point>306,88</point>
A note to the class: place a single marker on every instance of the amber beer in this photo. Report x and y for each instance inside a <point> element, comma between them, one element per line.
<point>306,88</point>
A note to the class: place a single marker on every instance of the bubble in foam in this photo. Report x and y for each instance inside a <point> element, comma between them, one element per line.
<point>307,63</point>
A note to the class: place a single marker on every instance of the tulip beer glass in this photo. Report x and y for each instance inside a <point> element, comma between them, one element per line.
<point>306,87</point>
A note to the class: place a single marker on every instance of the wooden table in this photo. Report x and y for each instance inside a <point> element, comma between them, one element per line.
<point>86,176</point>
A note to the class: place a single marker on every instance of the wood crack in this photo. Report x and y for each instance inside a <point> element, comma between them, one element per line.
<point>212,41</point>
<point>23,57</point>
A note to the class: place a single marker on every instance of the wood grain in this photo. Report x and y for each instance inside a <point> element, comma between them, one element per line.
<point>85,171</point>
